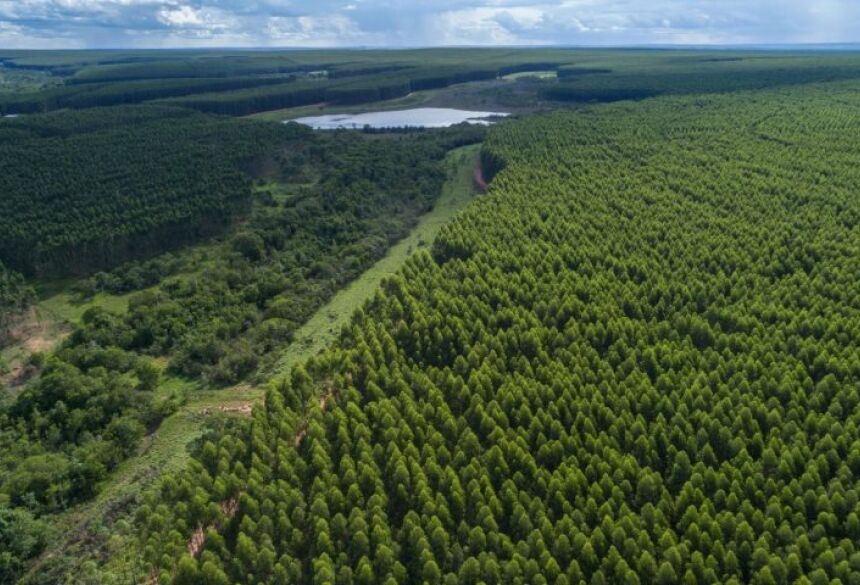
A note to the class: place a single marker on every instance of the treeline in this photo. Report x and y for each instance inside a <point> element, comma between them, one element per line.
<point>124,92</point>
<point>226,316</point>
<point>21,538</point>
<point>82,416</point>
<point>633,361</point>
<point>690,75</point>
<point>337,90</point>
<point>575,71</point>
<point>15,296</point>
<point>89,191</point>
<point>239,89</point>
<point>249,101</point>
<point>204,67</point>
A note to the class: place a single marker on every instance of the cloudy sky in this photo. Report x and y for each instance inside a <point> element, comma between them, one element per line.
<point>399,23</point>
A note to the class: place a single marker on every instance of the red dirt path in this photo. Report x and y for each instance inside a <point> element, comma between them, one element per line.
<point>478,177</point>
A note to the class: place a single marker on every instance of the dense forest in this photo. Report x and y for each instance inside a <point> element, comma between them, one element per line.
<point>632,362</point>
<point>242,86</point>
<point>90,190</point>
<point>694,74</point>
<point>239,84</point>
<point>15,294</point>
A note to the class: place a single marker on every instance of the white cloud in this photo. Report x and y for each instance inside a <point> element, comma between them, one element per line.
<point>424,22</point>
<point>481,26</point>
<point>182,16</point>
<point>312,30</point>
<point>200,22</point>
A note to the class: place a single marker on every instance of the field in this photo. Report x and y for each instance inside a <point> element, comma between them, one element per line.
<point>239,351</point>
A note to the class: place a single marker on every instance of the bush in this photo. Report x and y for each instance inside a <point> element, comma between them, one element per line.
<point>21,538</point>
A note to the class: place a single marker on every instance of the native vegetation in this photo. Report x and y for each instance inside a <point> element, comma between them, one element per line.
<point>15,295</point>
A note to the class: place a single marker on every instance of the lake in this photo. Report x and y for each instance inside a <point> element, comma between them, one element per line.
<point>415,117</point>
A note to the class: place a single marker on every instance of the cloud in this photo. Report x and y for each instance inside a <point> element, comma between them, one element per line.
<point>197,22</point>
<point>312,31</point>
<point>143,23</point>
<point>182,16</point>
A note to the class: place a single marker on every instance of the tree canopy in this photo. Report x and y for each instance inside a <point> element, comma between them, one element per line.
<point>633,361</point>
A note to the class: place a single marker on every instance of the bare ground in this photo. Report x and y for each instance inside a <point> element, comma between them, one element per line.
<point>31,333</point>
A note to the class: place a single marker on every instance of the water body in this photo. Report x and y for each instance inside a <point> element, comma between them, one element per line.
<point>412,118</point>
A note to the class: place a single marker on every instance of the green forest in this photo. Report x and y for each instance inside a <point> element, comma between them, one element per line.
<point>629,363</point>
<point>91,190</point>
<point>95,397</point>
<point>15,294</point>
<point>632,359</point>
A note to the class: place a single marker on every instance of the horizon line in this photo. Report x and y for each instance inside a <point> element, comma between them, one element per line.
<point>765,46</point>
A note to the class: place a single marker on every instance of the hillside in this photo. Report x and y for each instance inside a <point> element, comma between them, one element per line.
<point>628,363</point>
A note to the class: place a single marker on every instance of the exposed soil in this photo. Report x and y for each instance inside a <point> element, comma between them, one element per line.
<point>478,178</point>
<point>244,408</point>
<point>31,333</point>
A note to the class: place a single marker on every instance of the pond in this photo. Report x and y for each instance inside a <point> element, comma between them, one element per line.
<point>414,118</point>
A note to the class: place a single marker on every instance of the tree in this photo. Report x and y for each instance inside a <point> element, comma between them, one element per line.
<point>187,572</point>
<point>666,574</point>
<point>21,538</point>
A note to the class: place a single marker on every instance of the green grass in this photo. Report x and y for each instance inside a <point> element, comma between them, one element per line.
<point>50,319</point>
<point>66,306</point>
<point>322,329</point>
<point>492,95</point>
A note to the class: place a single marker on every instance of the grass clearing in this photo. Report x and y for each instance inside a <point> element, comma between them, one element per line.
<point>486,95</point>
<point>24,80</point>
<point>47,323</point>
<point>67,306</point>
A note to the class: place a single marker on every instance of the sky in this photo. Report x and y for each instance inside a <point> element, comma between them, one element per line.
<point>410,23</point>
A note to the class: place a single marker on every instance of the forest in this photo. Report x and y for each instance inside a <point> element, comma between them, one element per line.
<point>15,295</point>
<point>629,363</point>
<point>242,83</point>
<point>632,360</point>
<point>110,185</point>
<point>695,75</point>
